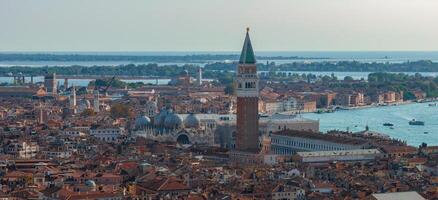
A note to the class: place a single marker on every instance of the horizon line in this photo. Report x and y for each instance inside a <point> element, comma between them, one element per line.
<point>199,51</point>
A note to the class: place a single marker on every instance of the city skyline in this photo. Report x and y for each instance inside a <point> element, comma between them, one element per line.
<point>151,99</point>
<point>200,26</point>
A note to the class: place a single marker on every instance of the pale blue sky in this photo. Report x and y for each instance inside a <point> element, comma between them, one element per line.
<point>217,25</point>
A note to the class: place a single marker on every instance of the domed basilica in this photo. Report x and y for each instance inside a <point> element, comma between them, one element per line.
<point>168,126</point>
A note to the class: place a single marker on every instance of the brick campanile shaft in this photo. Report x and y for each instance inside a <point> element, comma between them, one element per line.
<point>247,91</point>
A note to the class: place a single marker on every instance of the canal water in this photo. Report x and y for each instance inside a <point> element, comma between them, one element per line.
<point>400,115</point>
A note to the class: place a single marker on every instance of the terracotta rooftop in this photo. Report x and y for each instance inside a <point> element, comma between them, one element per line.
<point>399,149</point>
<point>164,184</point>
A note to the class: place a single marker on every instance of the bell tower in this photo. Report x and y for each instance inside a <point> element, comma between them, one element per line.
<point>247,91</point>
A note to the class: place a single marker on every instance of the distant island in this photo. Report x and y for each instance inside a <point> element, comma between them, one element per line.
<point>216,69</point>
<point>340,66</point>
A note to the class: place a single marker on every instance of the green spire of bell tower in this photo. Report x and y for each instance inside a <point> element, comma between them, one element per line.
<point>247,55</point>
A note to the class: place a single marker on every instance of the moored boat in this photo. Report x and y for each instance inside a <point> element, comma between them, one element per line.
<point>388,124</point>
<point>414,122</point>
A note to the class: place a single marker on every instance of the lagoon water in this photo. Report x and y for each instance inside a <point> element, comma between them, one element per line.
<point>400,115</point>
<point>354,75</point>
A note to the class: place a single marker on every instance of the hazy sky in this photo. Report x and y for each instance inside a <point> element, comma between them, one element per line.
<point>217,25</point>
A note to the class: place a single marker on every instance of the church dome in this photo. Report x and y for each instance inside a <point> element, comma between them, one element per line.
<point>90,183</point>
<point>192,121</point>
<point>142,121</point>
<point>173,121</point>
<point>159,119</point>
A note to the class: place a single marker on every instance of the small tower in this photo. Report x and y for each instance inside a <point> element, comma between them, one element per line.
<point>65,84</point>
<point>96,101</point>
<point>199,78</point>
<point>50,83</point>
<point>42,114</point>
<point>73,99</point>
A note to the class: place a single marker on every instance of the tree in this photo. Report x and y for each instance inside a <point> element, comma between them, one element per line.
<point>408,95</point>
<point>120,111</point>
<point>326,78</point>
<point>88,112</point>
<point>105,82</point>
<point>348,78</point>
<point>226,78</point>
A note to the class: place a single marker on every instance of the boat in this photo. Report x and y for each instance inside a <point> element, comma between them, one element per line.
<point>432,104</point>
<point>414,122</point>
<point>321,111</point>
<point>330,111</point>
<point>426,132</point>
<point>388,124</point>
